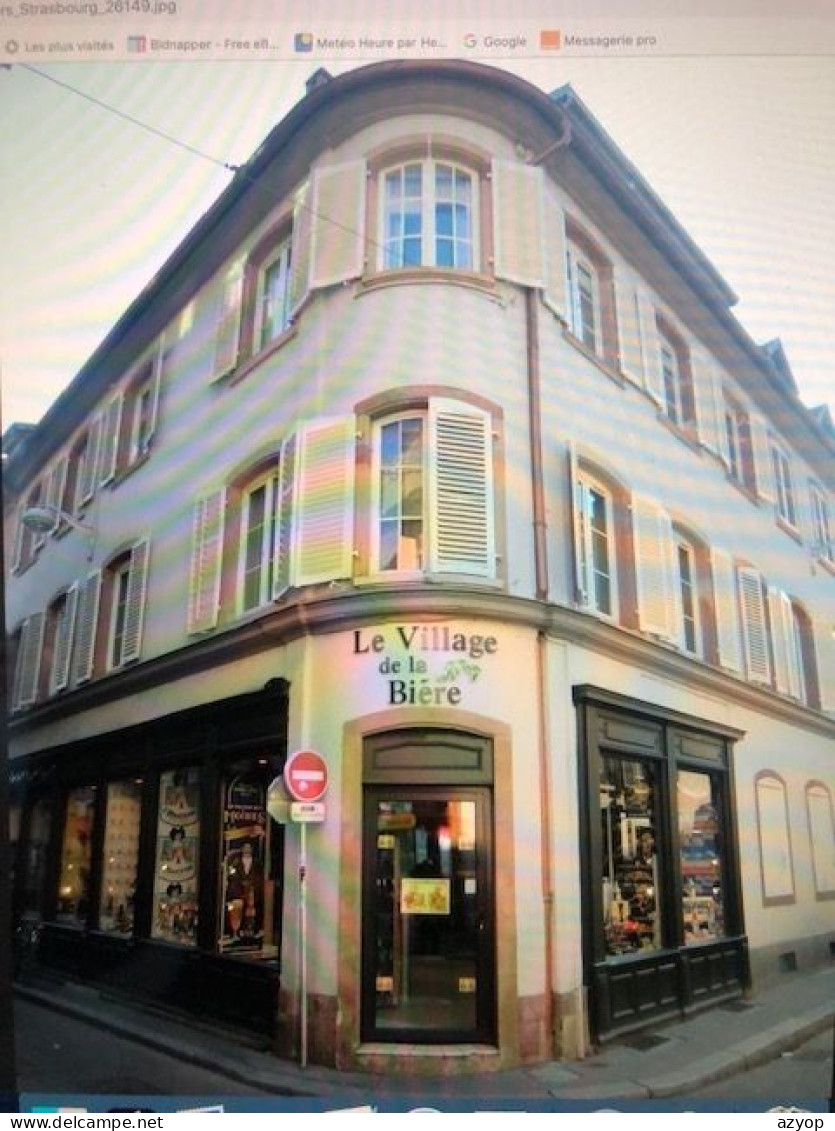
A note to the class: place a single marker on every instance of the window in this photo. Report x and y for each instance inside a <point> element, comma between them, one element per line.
<point>432,497</point>
<point>118,612</point>
<point>675,394</point>
<point>688,600</point>
<point>60,624</point>
<point>274,293</point>
<point>258,519</point>
<point>594,546</point>
<point>428,214</point>
<point>738,443</point>
<point>176,871</point>
<point>824,544</point>
<point>672,383</point>
<point>35,860</point>
<point>701,862</point>
<point>120,857</point>
<point>27,645</point>
<point>821,838</point>
<point>583,299</point>
<point>776,863</point>
<point>28,542</point>
<point>781,468</point>
<point>74,883</point>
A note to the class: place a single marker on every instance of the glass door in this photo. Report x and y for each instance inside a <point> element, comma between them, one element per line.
<point>428,949</point>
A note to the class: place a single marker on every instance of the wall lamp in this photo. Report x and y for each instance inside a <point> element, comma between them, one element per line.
<point>43,520</point>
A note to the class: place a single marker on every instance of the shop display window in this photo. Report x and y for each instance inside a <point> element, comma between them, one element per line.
<point>177,857</point>
<point>630,882</point>
<point>248,907</point>
<point>121,857</point>
<point>34,864</point>
<point>74,884</point>
<point>700,854</point>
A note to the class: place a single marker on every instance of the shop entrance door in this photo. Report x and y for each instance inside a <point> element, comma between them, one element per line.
<point>428,932</point>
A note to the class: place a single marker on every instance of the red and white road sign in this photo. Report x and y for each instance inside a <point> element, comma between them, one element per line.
<point>306,775</point>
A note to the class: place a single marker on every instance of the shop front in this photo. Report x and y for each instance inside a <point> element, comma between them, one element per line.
<point>663,927</point>
<point>148,859</point>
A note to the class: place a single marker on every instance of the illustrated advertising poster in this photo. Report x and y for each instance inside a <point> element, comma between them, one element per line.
<point>244,855</point>
<point>175,875</point>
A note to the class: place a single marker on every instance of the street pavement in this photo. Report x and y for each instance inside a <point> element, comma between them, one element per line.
<point>715,1055</point>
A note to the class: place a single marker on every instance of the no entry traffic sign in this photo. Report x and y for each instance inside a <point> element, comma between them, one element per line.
<point>306,775</point>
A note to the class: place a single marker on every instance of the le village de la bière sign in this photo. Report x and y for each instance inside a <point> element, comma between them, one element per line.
<point>425,665</point>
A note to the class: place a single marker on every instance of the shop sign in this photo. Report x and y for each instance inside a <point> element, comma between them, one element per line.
<point>425,665</point>
<point>424,896</point>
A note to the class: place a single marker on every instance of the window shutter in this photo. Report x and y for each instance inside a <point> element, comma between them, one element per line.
<point>85,631</point>
<point>654,568</point>
<point>29,661</point>
<point>228,325</point>
<point>710,415</point>
<point>578,504</point>
<point>754,628</point>
<point>20,531</point>
<point>461,508</point>
<point>135,606</point>
<point>91,459</point>
<point>156,379</point>
<point>62,645</point>
<point>206,562</point>
<point>653,375</point>
<point>284,505</point>
<point>629,329</point>
<point>779,639</point>
<point>761,445</point>
<point>300,250</point>
<point>323,526</point>
<point>57,487</point>
<point>337,243</point>
<point>518,224</point>
<point>111,426</point>
<point>726,610</point>
<point>556,293</point>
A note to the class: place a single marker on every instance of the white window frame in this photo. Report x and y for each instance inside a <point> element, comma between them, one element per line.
<point>682,544</point>
<point>266,330</point>
<point>376,494</point>
<point>141,428</point>
<point>586,484</point>
<point>672,376</point>
<point>783,483</point>
<point>268,482</point>
<point>577,262</point>
<point>119,578</point>
<point>428,200</point>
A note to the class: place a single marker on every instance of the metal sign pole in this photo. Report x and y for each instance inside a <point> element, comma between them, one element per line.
<point>303,938</point>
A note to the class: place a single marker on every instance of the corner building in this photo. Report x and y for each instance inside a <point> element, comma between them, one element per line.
<point>436,448</point>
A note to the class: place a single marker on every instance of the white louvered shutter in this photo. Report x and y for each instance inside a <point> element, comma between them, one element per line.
<point>228,324</point>
<point>29,661</point>
<point>91,459</point>
<point>629,328</point>
<point>337,240</point>
<point>284,508</point>
<point>111,427</point>
<point>654,568</point>
<point>206,562</point>
<point>19,534</point>
<point>518,224</point>
<point>300,248</point>
<point>651,349</point>
<point>766,487</point>
<point>754,625</point>
<point>726,610</point>
<point>461,508</point>
<point>780,641</point>
<point>85,628</point>
<point>62,645</point>
<point>135,602</point>
<point>323,525</point>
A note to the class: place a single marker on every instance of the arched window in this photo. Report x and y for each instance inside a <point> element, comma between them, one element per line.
<point>821,838</point>
<point>776,865</point>
<point>428,216</point>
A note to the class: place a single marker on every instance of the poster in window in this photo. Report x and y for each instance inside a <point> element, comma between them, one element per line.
<point>175,875</point>
<point>244,855</point>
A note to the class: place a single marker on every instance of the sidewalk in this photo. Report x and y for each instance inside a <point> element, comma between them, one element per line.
<point>670,1060</point>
